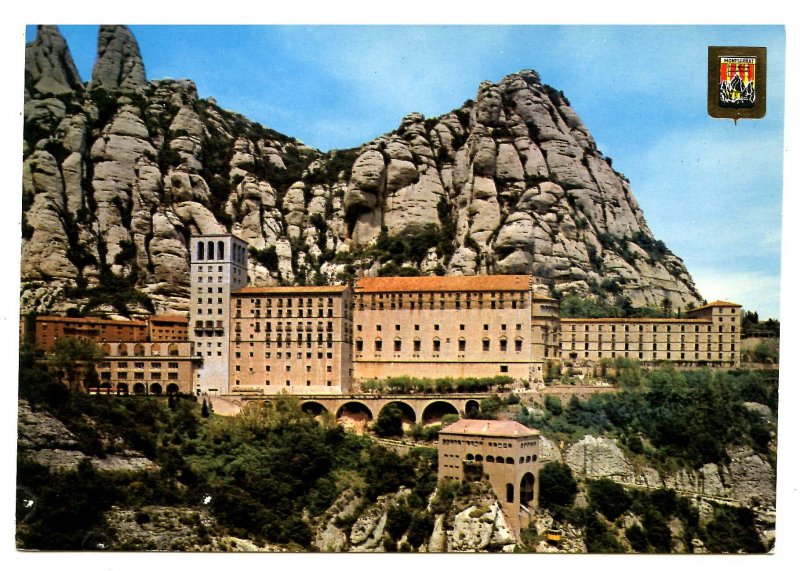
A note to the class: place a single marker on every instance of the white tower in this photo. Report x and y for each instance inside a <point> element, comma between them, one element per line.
<point>218,267</point>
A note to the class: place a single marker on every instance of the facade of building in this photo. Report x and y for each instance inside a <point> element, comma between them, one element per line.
<point>146,368</point>
<point>293,339</point>
<point>504,450</point>
<point>218,268</point>
<point>168,328</point>
<point>326,339</point>
<point>44,330</point>
<point>454,326</point>
<point>707,336</point>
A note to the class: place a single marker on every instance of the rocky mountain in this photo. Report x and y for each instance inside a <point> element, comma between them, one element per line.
<point>119,172</point>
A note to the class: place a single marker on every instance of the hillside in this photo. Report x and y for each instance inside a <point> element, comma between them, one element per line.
<point>119,172</point>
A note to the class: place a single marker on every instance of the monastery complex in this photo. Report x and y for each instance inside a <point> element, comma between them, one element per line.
<point>309,340</point>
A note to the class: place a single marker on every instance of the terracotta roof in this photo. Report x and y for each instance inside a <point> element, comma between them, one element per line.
<point>488,428</point>
<point>635,320</point>
<point>172,318</point>
<point>717,303</point>
<point>296,290</point>
<point>93,320</point>
<point>444,283</point>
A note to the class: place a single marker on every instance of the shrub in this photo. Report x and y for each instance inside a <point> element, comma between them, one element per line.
<point>557,485</point>
<point>608,497</point>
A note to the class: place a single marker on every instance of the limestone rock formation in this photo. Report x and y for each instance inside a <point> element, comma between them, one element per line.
<point>49,68</point>
<point>119,63</point>
<point>116,178</point>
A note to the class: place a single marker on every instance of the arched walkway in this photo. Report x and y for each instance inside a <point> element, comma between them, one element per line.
<point>354,409</point>
<point>313,408</point>
<point>471,408</point>
<point>139,389</point>
<point>173,389</point>
<point>409,416</point>
<point>122,388</point>
<point>155,389</point>
<point>436,410</point>
<point>526,489</point>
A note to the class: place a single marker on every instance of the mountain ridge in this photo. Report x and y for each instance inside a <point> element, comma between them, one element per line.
<point>117,173</point>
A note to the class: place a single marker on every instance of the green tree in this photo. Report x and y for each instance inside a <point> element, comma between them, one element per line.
<point>557,485</point>
<point>608,497</point>
<point>69,357</point>
<point>390,421</point>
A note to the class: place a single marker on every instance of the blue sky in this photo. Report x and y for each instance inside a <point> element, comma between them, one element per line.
<point>710,190</point>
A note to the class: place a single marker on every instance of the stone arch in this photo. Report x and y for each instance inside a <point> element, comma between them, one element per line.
<point>172,349</point>
<point>510,493</point>
<point>470,457</point>
<point>526,488</point>
<point>355,414</point>
<point>155,349</point>
<point>479,457</point>
<point>500,460</point>
<point>490,458</point>
<point>220,250</point>
<point>105,386</point>
<point>210,251</point>
<point>138,350</point>
<point>155,389</point>
<point>201,250</point>
<point>139,389</point>
<point>106,349</point>
<point>173,388</point>
<point>435,410</point>
<point>313,407</point>
<point>509,460</point>
<point>122,350</point>
<point>409,416</point>
<point>471,408</point>
<point>122,388</point>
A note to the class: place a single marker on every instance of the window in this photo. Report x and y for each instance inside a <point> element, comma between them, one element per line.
<point>517,345</point>
<point>503,344</point>
<point>486,344</point>
<point>417,345</point>
<point>398,345</point>
<point>436,345</point>
<point>378,344</point>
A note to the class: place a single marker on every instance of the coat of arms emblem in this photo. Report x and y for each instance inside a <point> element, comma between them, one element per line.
<point>737,82</point>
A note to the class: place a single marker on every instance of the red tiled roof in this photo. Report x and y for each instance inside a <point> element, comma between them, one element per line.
<point>717,303</point>
<point>297,290</point>
<point>488,428</point>
<point>444,283</point>
<point>93,320</point>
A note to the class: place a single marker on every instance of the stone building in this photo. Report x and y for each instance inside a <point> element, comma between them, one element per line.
<point>505,451</point>
<point>168,328</point>
<point>452,326</point>
<point>707,336</point>
<point>42,331</point>
<point>145,368</point>
<point>292,339</point>
<point>218,268</point>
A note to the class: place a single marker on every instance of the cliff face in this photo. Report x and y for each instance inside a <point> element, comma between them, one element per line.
<point>117,174</point>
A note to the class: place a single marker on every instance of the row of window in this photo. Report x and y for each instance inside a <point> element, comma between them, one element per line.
<point>268,368</point>
<point>681,346</point>
<point>371,297</point>
<point>211,250</point>
<point>461,327</point>
<point>642,338</point>
<point>299,355</point>
<point>139,350</point>
<point>307,301</point>
<point>288,382</point>
<point>137,364</point>
<point>280,313</point>
<point>436,345</point>
<point>123,376</point>
<point>642,356</point>
<point>653,328</point>
<point>457,304</point>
